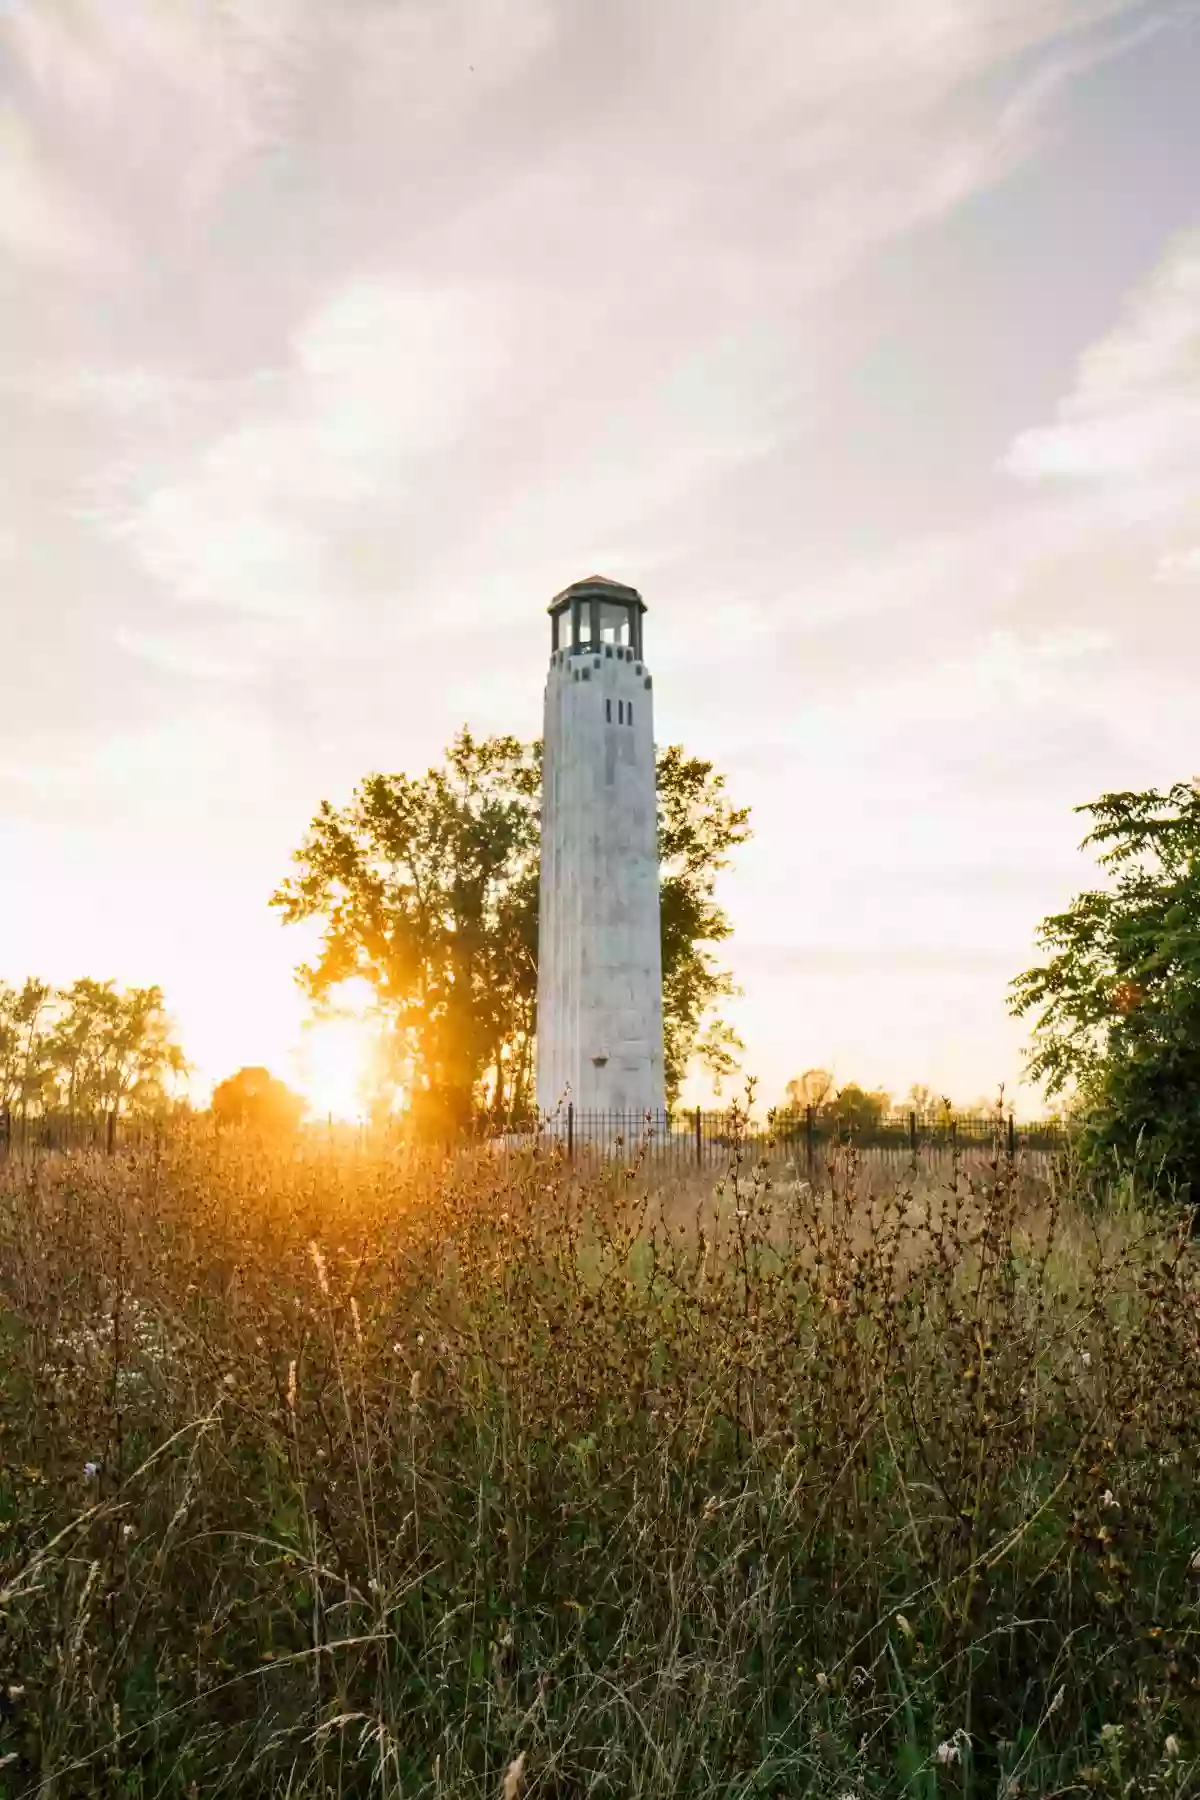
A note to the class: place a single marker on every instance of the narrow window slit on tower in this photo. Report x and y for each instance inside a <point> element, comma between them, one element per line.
<point>608,711</point>
<point>629,712</point>
<point>620,712</point>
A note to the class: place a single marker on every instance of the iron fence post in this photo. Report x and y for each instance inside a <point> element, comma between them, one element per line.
<point>809,1144</point>
<point>912,1135</point>
<point>570,1131</point>
<point>1012,1138</point>
<point>110,1133</point>
<point>699,1139</point>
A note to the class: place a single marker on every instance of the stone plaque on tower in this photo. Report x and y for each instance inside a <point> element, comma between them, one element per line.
<point>599,1034</point>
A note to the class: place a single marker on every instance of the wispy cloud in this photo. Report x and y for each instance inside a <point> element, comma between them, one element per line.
<point>336,334</point>
<point>43,221</point>
<point>1134,412</point>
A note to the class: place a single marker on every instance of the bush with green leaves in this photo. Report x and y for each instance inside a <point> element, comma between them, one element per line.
<point>1118,1000</point>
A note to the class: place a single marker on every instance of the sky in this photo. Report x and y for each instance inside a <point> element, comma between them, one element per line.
<point>336,336</point>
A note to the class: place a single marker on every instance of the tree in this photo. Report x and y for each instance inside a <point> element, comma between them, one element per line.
<point>25,1064</point>
<point>698,827</point>
<point>850,1109</point>
<point>255,1098</point>
<point>1118,998</point>
<point>813,1088</point>
<point>112,1052</point>
<point>856,1112</point>
<point>428,888</point>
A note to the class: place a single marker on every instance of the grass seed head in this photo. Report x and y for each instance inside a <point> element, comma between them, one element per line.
<point>514,1777</point>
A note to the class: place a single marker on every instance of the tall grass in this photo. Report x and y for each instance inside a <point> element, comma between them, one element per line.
<point>331,1474</point>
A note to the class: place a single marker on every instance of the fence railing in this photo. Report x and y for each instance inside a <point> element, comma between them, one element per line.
<point>700,1139</point>
<point>684,1139</point>
<point>28,1135</point>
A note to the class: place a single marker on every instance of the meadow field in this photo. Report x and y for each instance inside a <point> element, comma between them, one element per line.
<point>339,1474</point>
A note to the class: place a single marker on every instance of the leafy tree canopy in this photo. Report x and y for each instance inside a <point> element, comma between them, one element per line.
<point>428,887</point>
<point>255,1098</point>
<point>1117,1000</point>
<point>26,1072</point>
<point>858,1112</point>
<point>849,1109</point>
<point>90,1048</point>
<point>813,1088</point>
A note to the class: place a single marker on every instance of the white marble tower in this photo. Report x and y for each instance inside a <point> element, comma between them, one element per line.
<point>599,1037</point>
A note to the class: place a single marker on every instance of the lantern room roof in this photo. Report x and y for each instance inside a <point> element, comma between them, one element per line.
<point>601,587</point>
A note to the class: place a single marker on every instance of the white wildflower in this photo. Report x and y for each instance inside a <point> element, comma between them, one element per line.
<point>951,1750</point>
<point>1085,1357</point>
<point>1108,1498</point>
<point>91,1470</point>
<point>1171,1747</point>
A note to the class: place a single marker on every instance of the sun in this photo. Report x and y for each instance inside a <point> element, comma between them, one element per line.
<point>338,1057</point>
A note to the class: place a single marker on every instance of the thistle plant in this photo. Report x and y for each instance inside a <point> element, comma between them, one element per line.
<point>327,1472</point>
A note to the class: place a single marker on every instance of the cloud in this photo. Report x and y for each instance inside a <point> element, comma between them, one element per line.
<point>1179,565</point>
<point>379,380</point>
<point>1115,484</point>
<point>42,221</point>
<point>336,334</point>
<point>1134,412</point>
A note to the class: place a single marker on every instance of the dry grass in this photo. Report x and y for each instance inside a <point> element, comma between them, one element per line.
<point>331,1474</point>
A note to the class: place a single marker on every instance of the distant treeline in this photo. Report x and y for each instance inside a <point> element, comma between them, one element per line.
<point>87,1051</point>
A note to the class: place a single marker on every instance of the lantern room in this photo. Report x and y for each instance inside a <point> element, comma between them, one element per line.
<point>596,612</point>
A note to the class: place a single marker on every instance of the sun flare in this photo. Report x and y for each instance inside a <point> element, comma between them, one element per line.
<point>337,1063</point>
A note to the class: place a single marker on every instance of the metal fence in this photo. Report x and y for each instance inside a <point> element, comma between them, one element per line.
<point>28,1135</point>
<point>678,1141</point>
<point>699,1139</point>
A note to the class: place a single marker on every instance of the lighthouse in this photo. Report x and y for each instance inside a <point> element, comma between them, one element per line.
<point>599,1029</point>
